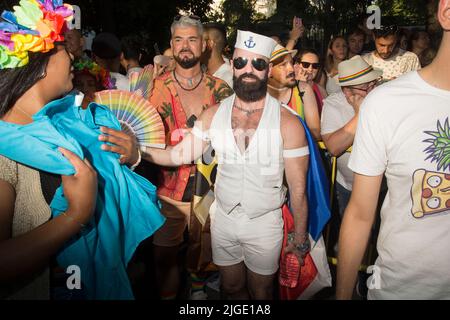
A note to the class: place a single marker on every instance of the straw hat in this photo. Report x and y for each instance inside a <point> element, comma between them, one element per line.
<point>281,51</point>
<point>356,71</point>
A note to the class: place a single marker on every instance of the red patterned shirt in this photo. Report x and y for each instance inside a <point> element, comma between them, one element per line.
<point>172,182</point>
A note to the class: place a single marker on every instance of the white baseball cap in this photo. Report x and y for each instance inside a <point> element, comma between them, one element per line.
<point>255,43</point>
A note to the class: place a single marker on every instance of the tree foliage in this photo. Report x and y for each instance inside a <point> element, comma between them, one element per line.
<point>149,19</point>
<point>236,15</point>
<point>152,19</point>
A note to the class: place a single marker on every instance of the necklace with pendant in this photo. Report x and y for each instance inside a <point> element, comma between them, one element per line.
<point>247,111</point>
<point>190,81</point>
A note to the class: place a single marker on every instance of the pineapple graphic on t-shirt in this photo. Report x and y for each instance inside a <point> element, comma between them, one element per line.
<point>431,189</point>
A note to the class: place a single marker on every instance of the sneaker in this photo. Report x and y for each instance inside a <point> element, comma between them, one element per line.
<point>198,295</point>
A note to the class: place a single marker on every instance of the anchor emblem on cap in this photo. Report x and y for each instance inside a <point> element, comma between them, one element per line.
<point>250,43</point>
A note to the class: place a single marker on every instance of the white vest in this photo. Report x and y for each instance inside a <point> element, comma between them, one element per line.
<point>253,180</point>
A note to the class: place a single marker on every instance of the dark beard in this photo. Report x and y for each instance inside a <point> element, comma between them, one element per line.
<point>187,63</point>
<point>292,84</point>
<point>250,92</point>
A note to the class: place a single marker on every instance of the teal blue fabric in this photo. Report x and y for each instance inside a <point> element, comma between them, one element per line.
<point>127,208</point>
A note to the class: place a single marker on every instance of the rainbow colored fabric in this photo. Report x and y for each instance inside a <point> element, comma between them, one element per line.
<point>33,26</point>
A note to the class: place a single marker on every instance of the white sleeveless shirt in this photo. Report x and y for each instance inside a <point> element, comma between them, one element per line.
<point>252,180</point>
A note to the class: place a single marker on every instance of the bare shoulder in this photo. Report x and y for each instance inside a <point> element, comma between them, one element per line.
<point>292,130</point>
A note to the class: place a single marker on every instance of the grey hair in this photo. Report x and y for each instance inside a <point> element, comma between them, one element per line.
<point>187,22</point>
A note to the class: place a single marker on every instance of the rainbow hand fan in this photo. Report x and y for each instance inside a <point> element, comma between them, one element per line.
<point>141,82</point>
<point>136,116</point>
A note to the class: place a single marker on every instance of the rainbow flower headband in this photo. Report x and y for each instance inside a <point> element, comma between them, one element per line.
<point>34,26</point>
<point>100,74</point>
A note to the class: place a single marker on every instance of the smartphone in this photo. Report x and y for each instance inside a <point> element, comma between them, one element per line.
<point>191,121</point>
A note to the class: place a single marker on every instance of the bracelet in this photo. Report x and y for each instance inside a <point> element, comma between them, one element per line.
<point>291,236</point>
<point>74,220</point>
<point>138,160</point>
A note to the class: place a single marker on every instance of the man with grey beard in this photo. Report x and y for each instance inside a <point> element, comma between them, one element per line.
<point>257,142</point>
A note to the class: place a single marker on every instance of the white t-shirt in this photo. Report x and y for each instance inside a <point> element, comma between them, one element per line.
<point>121,81</point>
<point>333,85</point>
<point>397,65</point>
<point>225,73</point>
<point>132,70</point>
<point>336,113</point>
<point>399,125</point>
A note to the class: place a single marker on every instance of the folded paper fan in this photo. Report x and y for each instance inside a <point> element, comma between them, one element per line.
<point>136,116</point>
<point>141,82</point>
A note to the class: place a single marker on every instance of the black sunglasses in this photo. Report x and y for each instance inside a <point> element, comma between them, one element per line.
<point>179,16</point>
<point>306,65</point>
<point>258,64</point>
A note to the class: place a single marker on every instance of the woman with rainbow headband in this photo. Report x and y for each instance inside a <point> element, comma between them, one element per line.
<point>96,218</point>
<point>89,78</point>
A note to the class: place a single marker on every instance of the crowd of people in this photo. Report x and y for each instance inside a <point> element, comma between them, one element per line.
<point>377,99</point>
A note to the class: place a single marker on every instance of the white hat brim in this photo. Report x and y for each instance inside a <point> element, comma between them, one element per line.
<point>371,76</point>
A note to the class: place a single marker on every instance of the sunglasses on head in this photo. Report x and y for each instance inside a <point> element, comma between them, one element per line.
<point>258,64</point>
<point>179,16</point>
<point>306,65</point>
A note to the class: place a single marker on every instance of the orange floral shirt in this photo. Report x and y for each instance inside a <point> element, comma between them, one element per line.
<point>172,182</point>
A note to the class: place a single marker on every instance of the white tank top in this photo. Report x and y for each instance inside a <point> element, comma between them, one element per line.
<point>253,179</point>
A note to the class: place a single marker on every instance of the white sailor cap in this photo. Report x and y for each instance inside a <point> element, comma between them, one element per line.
<point>255,43</point>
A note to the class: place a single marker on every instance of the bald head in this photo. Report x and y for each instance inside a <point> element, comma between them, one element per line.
<point>216,33</point>
<point>74,42</point>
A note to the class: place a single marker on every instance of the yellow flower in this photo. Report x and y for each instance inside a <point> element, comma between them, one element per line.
<point>28,42</point>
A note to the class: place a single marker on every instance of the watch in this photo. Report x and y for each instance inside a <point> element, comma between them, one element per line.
<point>304,247</point>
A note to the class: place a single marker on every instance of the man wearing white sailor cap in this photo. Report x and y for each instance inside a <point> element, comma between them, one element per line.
<point>256,142</point>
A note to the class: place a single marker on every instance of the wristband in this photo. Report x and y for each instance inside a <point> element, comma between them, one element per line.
<point>138,160</point>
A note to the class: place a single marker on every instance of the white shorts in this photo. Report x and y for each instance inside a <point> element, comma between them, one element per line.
<point>256,242</point>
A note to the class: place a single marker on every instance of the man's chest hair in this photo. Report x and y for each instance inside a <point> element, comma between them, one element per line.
<point>246,123</point>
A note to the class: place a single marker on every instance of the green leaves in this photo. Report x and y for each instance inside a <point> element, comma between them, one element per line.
<point>167,112</point>
<point>439,149</point>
